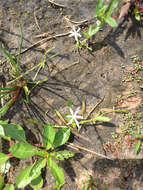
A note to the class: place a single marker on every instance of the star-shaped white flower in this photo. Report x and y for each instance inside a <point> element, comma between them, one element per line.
<point>75,33</point>
<point>74,117</point>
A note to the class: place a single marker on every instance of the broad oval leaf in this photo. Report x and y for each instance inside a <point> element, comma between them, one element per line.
<point>9,187</point>
<point>23,150</point>
<point>3,158</point>
<point>57,173</point>
<point>15,131</point>
<point>23,178</point>
<point>48,136</point>
<point>36,169</point>
<point>37,183</point>
<point>61,136</point>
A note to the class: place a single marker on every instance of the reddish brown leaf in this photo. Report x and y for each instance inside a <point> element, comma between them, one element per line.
<point>124,10</point>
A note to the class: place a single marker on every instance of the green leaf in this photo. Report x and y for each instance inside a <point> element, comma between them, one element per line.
<point>57,173</point>
<point>141,86</point>
<point>48,136</point>
<point>23,150</point>
<point>137,136</point>
<point>37,183</point>
<point>61,155</point>
<point>100,13</point>
<point>137,146</point>
<point>24,178</point>
<point>1,181</point>
<point>4,109</point>
<point>10,58</point>
<point>61,136</point>
<point>36,169</point>
<point>3,158</point>
<point>98,6</point>
<point>111,21</point>
<point>112,5</point>
<point>15,131</point>
<point>101,118</point>
<point>9,187</point>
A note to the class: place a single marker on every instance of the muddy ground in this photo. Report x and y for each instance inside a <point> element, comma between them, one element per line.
<point>112,72</point>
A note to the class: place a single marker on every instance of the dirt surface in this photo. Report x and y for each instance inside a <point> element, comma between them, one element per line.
<point>109,72</point>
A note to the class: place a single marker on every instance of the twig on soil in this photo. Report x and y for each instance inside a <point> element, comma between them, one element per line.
<point>73,146</point>
<point>70,22</point>
<point>57,4</point>
<point>36,21</point>
<point>92,110</point>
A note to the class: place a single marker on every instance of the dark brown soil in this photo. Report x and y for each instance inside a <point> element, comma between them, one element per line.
<point>81,76</point>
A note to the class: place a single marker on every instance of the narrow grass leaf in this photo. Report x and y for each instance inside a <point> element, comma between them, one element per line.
<point>101,118</point>
<point>10,57</point>
<point>137,146</point>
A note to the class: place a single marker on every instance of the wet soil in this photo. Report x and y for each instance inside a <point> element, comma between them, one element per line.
<point>106,73</point>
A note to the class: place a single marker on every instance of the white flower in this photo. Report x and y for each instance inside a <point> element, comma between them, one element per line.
<point>75,33</point>
<point>74,117</point>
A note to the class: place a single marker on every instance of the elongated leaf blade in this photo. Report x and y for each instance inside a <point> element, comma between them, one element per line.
<point>48,136</point>
<point>22,150</point>
<point>1,181</point>
<point>23,178</point>
<point>137,146</point>
<point>5,108</point>
<point>111,21</point>
<point>98,6</point>
<point>3,158</point>
<point>36,169</point>
<point>112,5</point>
<point>15,131</point>
<point>61,136</point>
<point>102,118</point>
<point>10,57</point>
<point>9,187</point>
<point>57,173</point>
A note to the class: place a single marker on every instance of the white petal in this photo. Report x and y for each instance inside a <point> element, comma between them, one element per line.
<point>70,122</point>
<point>79,35</point>
<point>77,124</point>
<point>71,111</point>
<point>71,35</point>
<point>69,116</point>
<point>78,30</point>
<point>79,117</point>
<point>77,110</point>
